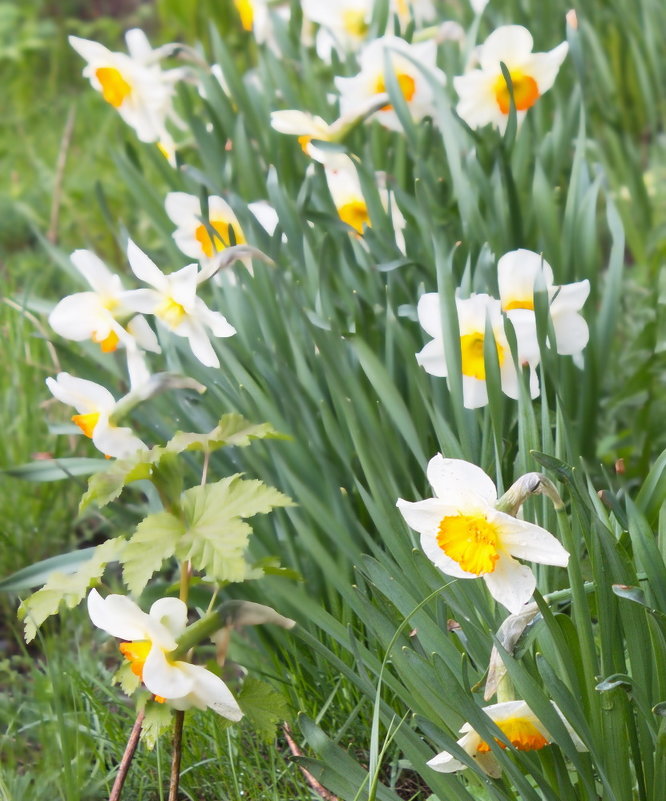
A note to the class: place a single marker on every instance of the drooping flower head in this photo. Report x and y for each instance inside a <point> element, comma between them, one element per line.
<point>345,188</point>
<point>149,638</point>
<point>472,315</point>
<point>484,92</point>
<point>518,274</point>
<point>173,300</point>
<point>371,80</point>
<point>466,536</point>
<point>95,406</point>
<point>133,84</point>
<point>520,726</point>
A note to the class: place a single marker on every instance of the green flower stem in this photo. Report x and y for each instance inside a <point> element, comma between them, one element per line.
<point>199,631</point>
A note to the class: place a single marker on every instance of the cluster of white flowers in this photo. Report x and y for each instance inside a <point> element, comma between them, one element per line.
<point>520,273</point>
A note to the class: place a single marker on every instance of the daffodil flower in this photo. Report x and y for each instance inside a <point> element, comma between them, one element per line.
<point>193,237</point>
<point>255,17</point>
<point>97,315</point>
<point>419,10</point>
<point>345,189</point>
<point>173,300</point>
<point>308,126</point>
<point>95,406</point>
<point>344,23</point>
<point>519,725</point>
<point>465,536</point>
<point>149,637</point>
<point>484,92</point>
<point>472,315</point>
<point>371,80</point>
<point>518,273</point>
<point>133,84</point>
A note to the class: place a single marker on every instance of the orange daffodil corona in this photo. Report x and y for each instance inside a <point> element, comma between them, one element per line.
<point>413,83</point>
<point>520,726</point>
<point>466,536</point>
<point>149,638</point>
<point>484,93</point>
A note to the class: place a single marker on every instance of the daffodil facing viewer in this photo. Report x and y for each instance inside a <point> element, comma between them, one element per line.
<point>473,313</point>
<point>466,536</point>
<point>149,639</point>
<point>518,724</point>
<point>484,93</point>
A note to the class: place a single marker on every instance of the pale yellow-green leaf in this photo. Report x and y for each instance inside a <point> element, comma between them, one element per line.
<point>233,429</point>
<point>127,680</point>
<point>158,719</point>
<point>69,589</point>
<point>264,707</point>
<point>154,540</point>
<point>106,486</point>
<point>217,536</point>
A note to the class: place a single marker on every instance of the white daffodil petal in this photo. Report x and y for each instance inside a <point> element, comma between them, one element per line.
<point>445,763</point>
<point>511,44</point>
<point>78,316</point>
<point>164,678</point>
<point>201,345</point>
<point>475,392</point>
<point>510,583</point>
<point>144,335</point>
<point>144,268</point>
<point>172,614</point>
<point>85,396</point>
<point>543,67</point>
<point>210,691</point>
<point>114,441</point>
<point>117,615</point>
<point>572,333</point>
<point>451,478</point>
<point>429,313</point>
<point>528,541</point>
<point>145,301</point>
<point>96,273</point>
<point>182,208</point>
<point>433,359</point>
<point>265,214</point>
<point>423,516</point>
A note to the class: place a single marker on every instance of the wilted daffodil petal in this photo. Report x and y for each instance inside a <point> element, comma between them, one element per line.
<point>472,315</point>
<point>174,302</point>
<point>519,273</point>
<point>484,92</point>
<point>519,725</point>
<point>133,84</point>
<point>416,89</point>
<point>148,640</point>
<point>95,406</point>
<point>465,536</point>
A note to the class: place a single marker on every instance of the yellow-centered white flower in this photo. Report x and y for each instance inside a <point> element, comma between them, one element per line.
<point>133,84</point>
<point>419,10</point>
<point>173,300</point>
<point>371,81</point>
<point>484,93</point>
<point>465,536</point>
<point>518,274</point>
<point>149,638</point>
<point>195,238</point>
<point>472,315</point>
<point>345,188</point>
<point>101,315</point>
<point>95,406</point>
<point>344,23</point>
<point>519,725</point>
